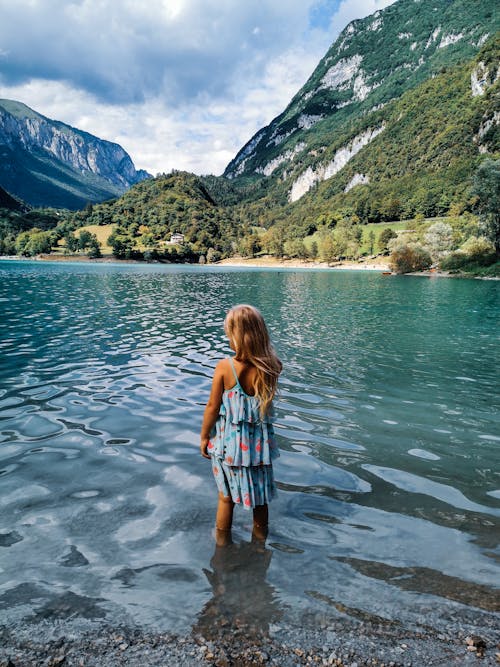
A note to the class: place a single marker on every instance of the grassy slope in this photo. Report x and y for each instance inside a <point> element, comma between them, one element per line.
<point>103,232</point>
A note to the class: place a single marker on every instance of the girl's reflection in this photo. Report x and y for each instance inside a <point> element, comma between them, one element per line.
<point>242,599</point>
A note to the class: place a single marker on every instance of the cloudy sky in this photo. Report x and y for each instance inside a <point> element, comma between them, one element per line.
<point>178,83</point>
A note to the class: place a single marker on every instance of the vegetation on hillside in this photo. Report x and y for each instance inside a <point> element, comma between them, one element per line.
<point>394,51</point>
<point>148,214</point>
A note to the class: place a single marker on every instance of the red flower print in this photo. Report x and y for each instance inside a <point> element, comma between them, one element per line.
<point>229,459</point>
<point>231,394</point>
<point>246,500</point>
<point>244,447</point>
<point>238,500</point>
<point>210,445</point>
<point>216,472</point>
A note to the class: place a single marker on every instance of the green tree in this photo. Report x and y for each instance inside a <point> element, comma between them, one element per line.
<point>273,241</point>
<point>328,249</point>
<point>486,187</point>
<point>34,242</point>
<point>250,245</point>
<point>295,248</point>
<point>94,248</point>
<point>340,241</point>
<point>84,239</point>
<point>383,240</point>
<point>371,241</point>
<point>409,257</point>
<point>439,238</point>
<point>71,242</point>
<point>476,251</point>
<point>121,243</point>
<point>213,255</point>
<point>390,208</point>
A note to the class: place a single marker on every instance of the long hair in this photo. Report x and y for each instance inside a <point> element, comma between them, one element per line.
<point>246,329</point>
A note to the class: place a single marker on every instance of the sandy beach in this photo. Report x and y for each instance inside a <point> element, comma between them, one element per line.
<point>378,264</point>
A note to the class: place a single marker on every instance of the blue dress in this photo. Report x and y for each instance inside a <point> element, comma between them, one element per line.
<point>242,447</point>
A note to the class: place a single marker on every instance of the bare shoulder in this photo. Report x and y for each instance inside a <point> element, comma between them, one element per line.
<point>223,371</point>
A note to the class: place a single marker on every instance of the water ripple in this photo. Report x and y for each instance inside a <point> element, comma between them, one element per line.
<point>387,419</point>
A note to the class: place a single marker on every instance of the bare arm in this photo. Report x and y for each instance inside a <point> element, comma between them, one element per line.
<point>212,408</point>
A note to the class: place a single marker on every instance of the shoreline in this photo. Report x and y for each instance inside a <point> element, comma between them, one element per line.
<point>274,262</point>
<point>266,262</point>
<point>238,262</point>
<point>341,641</point>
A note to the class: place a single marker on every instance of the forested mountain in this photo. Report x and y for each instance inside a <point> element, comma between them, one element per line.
<point>147,215</point>
<point>347,102</point>
<point>49,163</point>
<point>416,154</point>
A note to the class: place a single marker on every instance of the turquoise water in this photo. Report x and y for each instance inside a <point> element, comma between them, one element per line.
<point>389,476</point>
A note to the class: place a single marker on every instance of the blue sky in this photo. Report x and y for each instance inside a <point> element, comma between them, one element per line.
<point>178,83</point>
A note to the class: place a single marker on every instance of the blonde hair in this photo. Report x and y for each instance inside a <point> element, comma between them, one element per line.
<point>246,329</point>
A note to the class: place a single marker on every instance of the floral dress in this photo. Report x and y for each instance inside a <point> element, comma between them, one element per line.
<point>242,447</point>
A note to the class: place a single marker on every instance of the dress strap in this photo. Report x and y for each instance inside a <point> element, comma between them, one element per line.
<point>234,371</point>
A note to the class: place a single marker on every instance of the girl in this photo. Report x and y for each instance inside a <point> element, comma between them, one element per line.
<point>237,432</point>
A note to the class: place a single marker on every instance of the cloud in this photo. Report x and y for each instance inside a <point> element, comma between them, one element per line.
<point>178,83</point>
<point>126,52</point>
<point>201,136</point>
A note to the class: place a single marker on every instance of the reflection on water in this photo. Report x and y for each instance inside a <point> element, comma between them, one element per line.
<point>242,600</point>
<point>430,581</point>
<point>388,422</point>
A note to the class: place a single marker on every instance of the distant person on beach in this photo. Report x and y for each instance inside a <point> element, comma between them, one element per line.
<point>237,432</point>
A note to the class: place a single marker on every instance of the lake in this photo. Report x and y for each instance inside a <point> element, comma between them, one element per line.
<point>387,418</point>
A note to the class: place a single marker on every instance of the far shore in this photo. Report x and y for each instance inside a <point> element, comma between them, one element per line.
<point>254,262</point>
<point>380,264</point>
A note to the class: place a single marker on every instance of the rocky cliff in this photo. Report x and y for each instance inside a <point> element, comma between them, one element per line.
<point>49,163</point>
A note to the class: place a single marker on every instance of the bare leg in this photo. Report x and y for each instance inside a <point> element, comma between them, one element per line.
<point>223,537</point>
<point>224,517</point>
<point>260,522</point>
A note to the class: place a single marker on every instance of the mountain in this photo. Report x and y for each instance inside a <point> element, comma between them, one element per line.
<point>48,163</point>
<point>407,91</point>
<point>151,211</point>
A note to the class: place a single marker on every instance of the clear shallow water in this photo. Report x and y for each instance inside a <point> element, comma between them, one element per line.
<point>389,475</point>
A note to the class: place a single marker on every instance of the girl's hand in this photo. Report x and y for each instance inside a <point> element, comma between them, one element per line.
<point>204,448</point>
